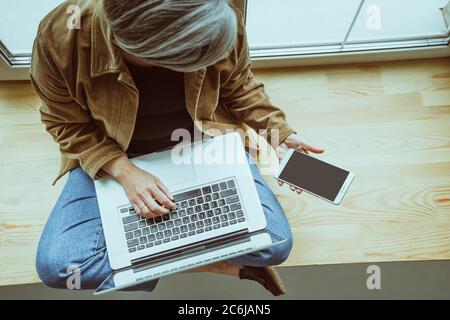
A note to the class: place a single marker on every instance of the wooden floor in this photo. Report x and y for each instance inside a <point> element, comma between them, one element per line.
<point>387,122</point>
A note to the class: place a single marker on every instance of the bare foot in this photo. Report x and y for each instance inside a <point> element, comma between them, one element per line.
<point>226,268</point>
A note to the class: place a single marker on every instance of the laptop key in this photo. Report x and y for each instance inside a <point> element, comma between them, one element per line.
<point>169,224</point>
<point>206,190</point>
<point>221,202</point>
<point>200,200</point>
<point>182,213</point>
<point>235,206</point>
<point>191,233</point>
<point>184,204</point>
<point>145,231</point>
<point>233,222</point>
<point>183,235</point>
<point>216,226</point>
<point>223,218</point>
<point>186,220</point>
<point>209,213</point>
<point>151,237</point>
<point>216,220</point>
<point>187,195</point>
<point>215,196</point>
<point>215,187</point>
<point>167,233</point>
<point>202,215</point>
<point>241,220</point>
<point>205,206</point>
<point>231,215</point>
<point>190,210</point>
<point>159,235</point>
<point>149,245</point>
<point>213,204</point>
<point>166,240</point>
<point>208,229</point>
<point>178,222</point>
<point>208,198</point>
<point>192,202</point>
<point>141,247</point>
<point>184,228</point>
<point>123,210</point>
<point>227,193</point>
<point>157,243</point>
<point>142,224</point>
<point>137,233</point>
<point>232,199</point>
<point>198,209</point>
<point>225,224</point>
<point>174,238</point>
<point>162,226</point>
<point>230,183</point>
<point>174,215</point>
<point>208,222</point>
<point>132,243</point>
<point>194,218</point>
<point>129,235</point>
<point>130,219</point>
<point>200,224</point>
<point>176,231</point>
<point>217,211</point>
<point>192,226</point>
<point>166,217</point>
<point>158,219</point>
<point>226,209</point>
<point>150,221</point>
<point>143,240</point>
<point>131,227</point>
<point>154,229</point>
<point>223,185</point>
<point>131,250</point>
<point>200,231</point>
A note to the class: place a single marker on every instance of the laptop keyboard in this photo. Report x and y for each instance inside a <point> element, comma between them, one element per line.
<point>204,209</point>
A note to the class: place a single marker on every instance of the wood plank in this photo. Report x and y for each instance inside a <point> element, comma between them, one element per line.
<point>387,122</point>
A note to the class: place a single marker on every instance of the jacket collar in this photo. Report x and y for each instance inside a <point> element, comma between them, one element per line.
<point>105,56</point>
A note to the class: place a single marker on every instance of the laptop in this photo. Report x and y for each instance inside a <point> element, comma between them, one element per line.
<point>218,214</point>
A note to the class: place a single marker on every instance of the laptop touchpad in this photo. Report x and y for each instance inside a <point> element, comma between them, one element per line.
<point>171,172</point>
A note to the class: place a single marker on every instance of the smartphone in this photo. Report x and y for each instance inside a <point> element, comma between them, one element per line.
<point>314,176</point>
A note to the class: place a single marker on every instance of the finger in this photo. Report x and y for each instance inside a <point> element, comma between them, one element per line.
<point>154,207</point>
<point>142,208</point>
<point>305,151</point>
<point>146,212</point>
<point>292,188</point>
<point>298,190</point>
<point>165,190</point>
<point>280,183</point>
<point>162,198</point>
<point>313,149</point>
<point>136,207</point>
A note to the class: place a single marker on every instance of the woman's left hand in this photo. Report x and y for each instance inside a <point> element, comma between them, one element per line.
<point>294,141</point>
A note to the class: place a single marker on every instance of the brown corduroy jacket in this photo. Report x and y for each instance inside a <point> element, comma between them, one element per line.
<point>90,100</point>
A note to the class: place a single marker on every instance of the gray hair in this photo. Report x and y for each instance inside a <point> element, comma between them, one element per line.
<point>183,35</point>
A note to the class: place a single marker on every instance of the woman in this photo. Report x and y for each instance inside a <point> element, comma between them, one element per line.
<point>116,87</point>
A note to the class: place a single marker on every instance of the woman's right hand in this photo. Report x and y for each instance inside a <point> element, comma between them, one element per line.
<point>148,195</point>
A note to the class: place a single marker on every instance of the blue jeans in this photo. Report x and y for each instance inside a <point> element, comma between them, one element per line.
<point>73,236</point>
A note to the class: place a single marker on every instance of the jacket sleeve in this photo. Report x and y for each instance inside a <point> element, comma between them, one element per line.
<point>246,99</point>
<point>69,123</point>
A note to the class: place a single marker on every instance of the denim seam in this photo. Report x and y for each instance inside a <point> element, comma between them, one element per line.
<point>99,232</point>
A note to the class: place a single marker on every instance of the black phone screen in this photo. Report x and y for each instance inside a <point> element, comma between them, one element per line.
<point>314,175</point>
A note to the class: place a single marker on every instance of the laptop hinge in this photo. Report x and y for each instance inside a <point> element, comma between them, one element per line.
<point>216,241</point>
